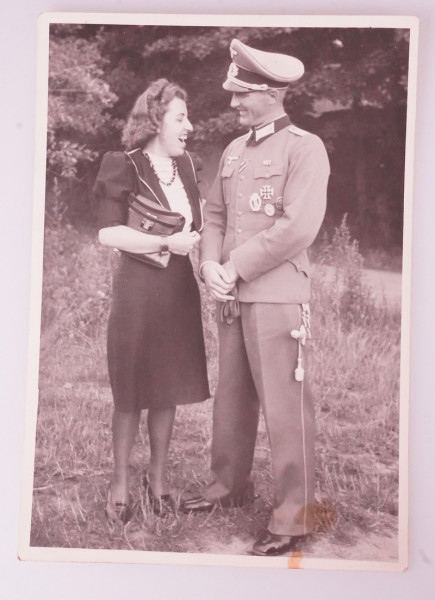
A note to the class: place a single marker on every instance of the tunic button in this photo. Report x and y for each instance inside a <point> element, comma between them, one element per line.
<point>242,178</point>
<point>240,194</point>
<point>239,230</point>
<point>239,213</point>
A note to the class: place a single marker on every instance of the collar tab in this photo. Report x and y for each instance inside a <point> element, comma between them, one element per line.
<point>261,133</point>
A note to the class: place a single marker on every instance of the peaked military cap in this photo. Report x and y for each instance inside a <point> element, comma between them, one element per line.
<point>253,69</point>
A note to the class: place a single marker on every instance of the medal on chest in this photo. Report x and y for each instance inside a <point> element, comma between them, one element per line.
<point>269,209</point>
<point>255,202</point>
<point>264,200</point>
<point>266,192</point>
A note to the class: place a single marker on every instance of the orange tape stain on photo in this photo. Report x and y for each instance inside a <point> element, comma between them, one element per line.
<point>295,559</point>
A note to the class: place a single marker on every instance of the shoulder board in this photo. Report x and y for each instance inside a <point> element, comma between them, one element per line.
<point>298,131</point>
<point>239,139</point>
<point>234,144</point>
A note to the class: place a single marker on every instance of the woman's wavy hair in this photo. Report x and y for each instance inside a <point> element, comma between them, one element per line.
<point>147,113</point>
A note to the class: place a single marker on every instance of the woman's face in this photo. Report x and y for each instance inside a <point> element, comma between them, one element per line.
<point>175,127</point>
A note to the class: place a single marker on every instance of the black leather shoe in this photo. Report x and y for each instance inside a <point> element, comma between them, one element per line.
<point>201,504</point>
<point>197,504</point>
<point>272,544</point>
<point>163,505</point>
<point>120,512</point>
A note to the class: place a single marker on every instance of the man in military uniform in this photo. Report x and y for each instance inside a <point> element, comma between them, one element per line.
<point>263,212</point>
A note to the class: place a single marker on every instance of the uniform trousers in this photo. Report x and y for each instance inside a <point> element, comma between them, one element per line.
<point>257,361</point>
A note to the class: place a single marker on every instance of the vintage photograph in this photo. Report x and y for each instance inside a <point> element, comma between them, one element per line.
<point>223,256</point>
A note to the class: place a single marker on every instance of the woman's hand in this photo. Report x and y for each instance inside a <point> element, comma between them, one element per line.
<point>183,242</point>
<point>128,239</point>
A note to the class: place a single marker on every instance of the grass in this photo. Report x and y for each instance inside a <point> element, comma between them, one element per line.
<point>354,365</point>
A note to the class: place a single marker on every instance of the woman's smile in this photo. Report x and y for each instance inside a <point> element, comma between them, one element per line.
<point>174,130</point>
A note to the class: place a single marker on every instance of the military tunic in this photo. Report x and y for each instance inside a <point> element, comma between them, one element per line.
<point>264,211</point>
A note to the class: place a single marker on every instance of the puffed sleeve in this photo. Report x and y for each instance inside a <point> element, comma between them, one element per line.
<point>115,181</point>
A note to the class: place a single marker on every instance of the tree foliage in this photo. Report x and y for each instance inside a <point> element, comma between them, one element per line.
<point>353,95</point>
<point>78,104</point>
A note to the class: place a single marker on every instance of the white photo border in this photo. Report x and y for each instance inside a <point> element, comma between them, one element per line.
<point>27,552</point>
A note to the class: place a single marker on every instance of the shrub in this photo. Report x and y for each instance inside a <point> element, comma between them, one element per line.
<point>75,300</point>
<point>355,362</point>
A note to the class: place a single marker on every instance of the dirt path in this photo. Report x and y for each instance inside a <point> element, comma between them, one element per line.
<point>369,547</point>
<point>385,285</point>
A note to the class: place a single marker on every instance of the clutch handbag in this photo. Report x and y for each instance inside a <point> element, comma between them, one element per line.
<point>148,216</point>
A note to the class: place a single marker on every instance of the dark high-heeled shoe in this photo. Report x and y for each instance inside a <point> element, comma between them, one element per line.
<point>118,511</point>
<point>163,505</point>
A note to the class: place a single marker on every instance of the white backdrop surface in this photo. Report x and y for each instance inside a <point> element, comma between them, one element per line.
<point>27,580</point>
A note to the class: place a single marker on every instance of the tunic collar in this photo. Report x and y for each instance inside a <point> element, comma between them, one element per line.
<point>258,134</point>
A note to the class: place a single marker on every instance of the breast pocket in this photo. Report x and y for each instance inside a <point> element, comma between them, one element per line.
<point>269,184</point>
<point>266,172</point>
<point>227,171</point>
<point>301,263</point>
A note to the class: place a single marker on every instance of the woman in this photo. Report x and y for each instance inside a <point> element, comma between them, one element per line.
<point>155,343</point>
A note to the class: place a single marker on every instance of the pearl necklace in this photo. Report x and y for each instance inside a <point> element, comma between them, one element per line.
<point>174,170</point>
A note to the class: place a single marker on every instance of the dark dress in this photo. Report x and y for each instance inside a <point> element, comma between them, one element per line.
<point>155,343</point>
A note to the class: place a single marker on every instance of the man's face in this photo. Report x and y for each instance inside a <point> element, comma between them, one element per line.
<point>253,107</point>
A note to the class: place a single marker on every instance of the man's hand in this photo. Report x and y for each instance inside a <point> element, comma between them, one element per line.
<point>217,281</point>
<point>231,271</point>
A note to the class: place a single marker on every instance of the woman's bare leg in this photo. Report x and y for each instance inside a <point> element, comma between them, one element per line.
<point>124,429</point>
<point>160,425</point>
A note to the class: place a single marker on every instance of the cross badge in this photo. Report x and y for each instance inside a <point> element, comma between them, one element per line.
<point>147,224</point>
<point>267,192</point>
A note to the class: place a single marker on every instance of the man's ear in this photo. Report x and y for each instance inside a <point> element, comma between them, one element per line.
<point>273,95</point>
